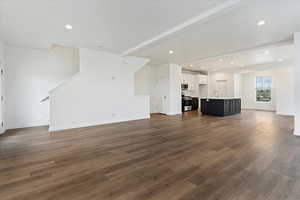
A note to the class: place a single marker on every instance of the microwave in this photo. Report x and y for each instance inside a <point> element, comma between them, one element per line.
<point>184,86</point>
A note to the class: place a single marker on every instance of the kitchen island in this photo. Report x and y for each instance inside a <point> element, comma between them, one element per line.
<point>220,106</point>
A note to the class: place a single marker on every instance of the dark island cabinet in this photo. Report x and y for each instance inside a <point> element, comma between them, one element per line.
<point>221,107</point>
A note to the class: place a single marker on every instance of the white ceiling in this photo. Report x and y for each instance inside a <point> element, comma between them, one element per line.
<point>117,25</point>
<point>232,31</point>
<point>257,59</point>
<point>129,26</point>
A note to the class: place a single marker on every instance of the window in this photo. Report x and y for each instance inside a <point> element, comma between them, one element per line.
<point>263,88</point>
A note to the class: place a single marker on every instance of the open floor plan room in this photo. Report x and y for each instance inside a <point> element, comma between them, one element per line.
<point>150,100</point>
<point>248,156</point>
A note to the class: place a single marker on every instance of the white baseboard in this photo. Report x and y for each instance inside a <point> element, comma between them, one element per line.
<point>258,109</point>
<point>27,125</point>
<point>89,124</point>
<point>285,114</point>
<point>175,113</point>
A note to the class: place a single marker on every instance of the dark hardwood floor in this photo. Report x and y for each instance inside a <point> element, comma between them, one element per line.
<point>191,157</point>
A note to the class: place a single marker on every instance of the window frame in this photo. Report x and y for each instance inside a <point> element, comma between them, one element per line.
<point>255,88</point>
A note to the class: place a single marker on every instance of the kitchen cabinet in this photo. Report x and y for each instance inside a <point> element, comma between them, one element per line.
<point>194,80</point>
<point>190,80</point>
<point>221,107</point>
<point>202,79</point>
<point>184,79</point>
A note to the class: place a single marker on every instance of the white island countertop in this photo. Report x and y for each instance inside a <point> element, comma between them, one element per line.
<point>220,98</point>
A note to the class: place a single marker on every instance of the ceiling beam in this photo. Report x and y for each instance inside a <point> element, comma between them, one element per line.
<point>202,17</point>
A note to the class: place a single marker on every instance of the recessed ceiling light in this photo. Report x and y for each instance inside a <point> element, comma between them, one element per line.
<point>171,52</point>
<point>232,63</point>
<point>267,52</point>
<point>221,60</point>
<point>280,60</point>
<point>191,65</point>
<point>68,26</point>
<point>261,23</point>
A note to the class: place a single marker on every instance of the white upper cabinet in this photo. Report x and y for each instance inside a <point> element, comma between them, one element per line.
<point>194,80</point>
<point>184,78</point>
<point>192,85</point>
<point>190,80</point>
<point>202,79</point>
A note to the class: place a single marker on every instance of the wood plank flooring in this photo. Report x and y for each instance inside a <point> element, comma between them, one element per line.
<point>191,157</point>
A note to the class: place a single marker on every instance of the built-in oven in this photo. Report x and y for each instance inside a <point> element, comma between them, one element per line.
<point>184,86</point>
<point>187,103</point>
<point>187,108</point>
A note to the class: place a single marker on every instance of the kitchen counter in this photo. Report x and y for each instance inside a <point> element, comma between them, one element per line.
<point>220,98</point>
<point>220,106</point>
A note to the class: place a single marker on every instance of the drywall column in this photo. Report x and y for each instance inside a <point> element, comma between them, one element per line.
<point>237,85</point>
<point>174,89</point>
<point>297,84</point>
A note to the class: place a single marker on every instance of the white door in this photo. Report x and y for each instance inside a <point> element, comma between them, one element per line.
<point>221,87</point>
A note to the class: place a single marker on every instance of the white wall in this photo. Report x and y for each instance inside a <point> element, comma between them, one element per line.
<point>30,74</point>
<point>152,81</point>
<point>103,92</point>
<point>221,76</point>
<point>175,89</point>
<point>163,84</point>
<point>160,94</point>
<point>249,91</point>
<point>285,90</point>
<point>2,91</point>
<point>144,80</point>
<point>237,85</point>
<point>297,83</point>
